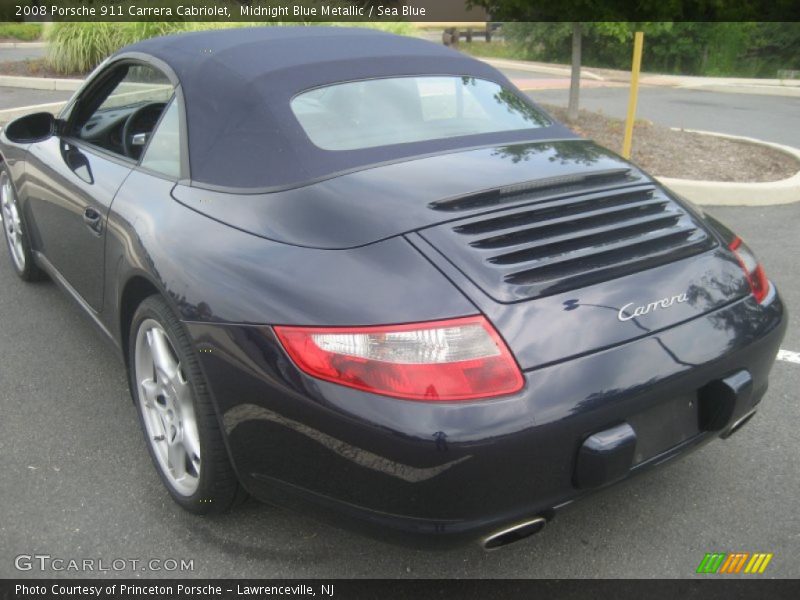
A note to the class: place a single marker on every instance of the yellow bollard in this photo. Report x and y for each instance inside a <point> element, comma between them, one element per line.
<point>638,43</point>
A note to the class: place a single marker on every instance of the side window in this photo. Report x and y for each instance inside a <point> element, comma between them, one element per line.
<point>120,113</point>
<point>163,155</point>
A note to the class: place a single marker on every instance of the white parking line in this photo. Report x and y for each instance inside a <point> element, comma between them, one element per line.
<point>789,356</point>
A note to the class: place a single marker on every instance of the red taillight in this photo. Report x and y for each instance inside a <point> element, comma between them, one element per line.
<point>759,283</point>
<point>437,361</point>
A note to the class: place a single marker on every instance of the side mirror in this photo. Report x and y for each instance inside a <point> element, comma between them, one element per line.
<point>36,127</point>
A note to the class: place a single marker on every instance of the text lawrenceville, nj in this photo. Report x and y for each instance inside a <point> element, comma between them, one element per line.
<point>164,590</point>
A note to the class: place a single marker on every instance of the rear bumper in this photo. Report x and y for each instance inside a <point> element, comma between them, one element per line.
<point>458,471</point>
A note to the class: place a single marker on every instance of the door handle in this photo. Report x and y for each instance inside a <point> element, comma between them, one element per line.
<point>93,219</point>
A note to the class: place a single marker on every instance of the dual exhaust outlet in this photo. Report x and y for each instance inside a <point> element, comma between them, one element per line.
<point>607,456</point>
<point>515,533</point>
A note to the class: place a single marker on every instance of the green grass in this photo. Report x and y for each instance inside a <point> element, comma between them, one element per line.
<point>24,32</point>
<point>493,50</point>
<point>79,47</point>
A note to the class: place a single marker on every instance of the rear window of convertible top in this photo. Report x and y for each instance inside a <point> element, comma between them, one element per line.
<point>382,112</point>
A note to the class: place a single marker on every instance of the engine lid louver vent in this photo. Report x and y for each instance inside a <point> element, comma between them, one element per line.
<point>564,236</point>
<point>539,188</point>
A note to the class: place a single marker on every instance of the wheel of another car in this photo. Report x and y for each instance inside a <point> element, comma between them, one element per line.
<point>15,233</point>
<point>175,410</point>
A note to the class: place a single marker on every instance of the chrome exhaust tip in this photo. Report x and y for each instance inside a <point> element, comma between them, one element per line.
<point>515,533</point>
<point>738,424</point>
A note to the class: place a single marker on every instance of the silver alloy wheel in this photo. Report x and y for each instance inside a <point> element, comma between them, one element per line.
<point>167,405</point>
<point>11,221</point>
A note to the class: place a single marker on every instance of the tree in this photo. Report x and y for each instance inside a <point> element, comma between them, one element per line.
<point>718,49</point>
<point>575,79</point>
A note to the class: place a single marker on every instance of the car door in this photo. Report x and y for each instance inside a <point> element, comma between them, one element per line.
<point>72,178</point>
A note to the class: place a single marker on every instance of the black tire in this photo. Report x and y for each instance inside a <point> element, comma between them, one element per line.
<point>28,271</point>
<point>218,488</point>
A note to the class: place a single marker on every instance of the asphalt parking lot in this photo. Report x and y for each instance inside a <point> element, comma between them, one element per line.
<point>77,481</point>
<point>769,118</point>
<point>13,97</point>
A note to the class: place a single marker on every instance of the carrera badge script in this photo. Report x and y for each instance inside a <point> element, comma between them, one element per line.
<point>625,314</point>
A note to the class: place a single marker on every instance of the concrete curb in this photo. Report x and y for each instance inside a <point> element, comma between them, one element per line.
<point>499,63</point>
<point>23,44</point>
<point>726,193</point>
<point>762,90</point>
<point>699,81</point>
<point>40,83</point>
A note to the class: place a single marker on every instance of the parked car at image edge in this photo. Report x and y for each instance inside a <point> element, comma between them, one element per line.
<point>365,275</point>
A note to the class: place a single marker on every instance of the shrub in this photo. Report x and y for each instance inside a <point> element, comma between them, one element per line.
<point>80,46</point>
<point>25,32</point>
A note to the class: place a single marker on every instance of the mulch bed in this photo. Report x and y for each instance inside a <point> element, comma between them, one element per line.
<point>659,150</point>
<point>668,153</point>
<point>34,67</point>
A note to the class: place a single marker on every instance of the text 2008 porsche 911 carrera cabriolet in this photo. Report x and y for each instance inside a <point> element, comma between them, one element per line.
<point>364,273</point>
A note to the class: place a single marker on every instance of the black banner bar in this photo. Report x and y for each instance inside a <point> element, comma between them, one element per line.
<point>738,588</point>
<point>459,11</point>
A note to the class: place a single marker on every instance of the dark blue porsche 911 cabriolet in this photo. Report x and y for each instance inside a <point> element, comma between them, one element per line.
<point>365,274</point>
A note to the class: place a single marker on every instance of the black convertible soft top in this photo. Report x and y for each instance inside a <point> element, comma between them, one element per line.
<point>238,83</point>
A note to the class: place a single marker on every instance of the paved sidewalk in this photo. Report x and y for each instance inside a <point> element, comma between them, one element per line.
<point>528,84</point>
<point>777,87</point>
<point>17,44</point>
